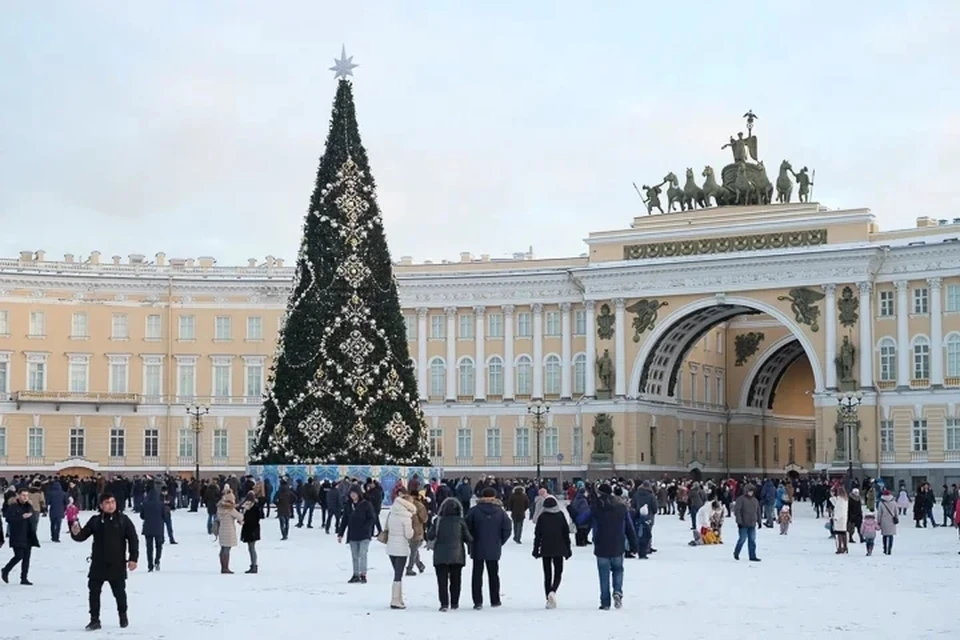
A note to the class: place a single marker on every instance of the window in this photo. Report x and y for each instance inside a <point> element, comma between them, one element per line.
<point>706,447</point>
<point>4,375</point>
<point>551,443</point>
<point>464,443</point>
<point>495,325</point>
<point>522,442</point>
<point>919,435</point>
<point>223,328</point>
<point>438,378</point>
<point>693,386</point>
<point>3,442</point>
<point>4,322</point>
<point>776,449</point>
<point>410,323</point>
<point>220,443</point>
<point>551,375</point>
<point>222,370</point>
<point>253,386</point>
<point>255,328</point>
<point>35,442</point>
<point>154,329</point>
<point>120,328</point>
<point>809,449</point>
<point>495,376</point>
<point>888,360</point>
<point>524,325</point>
<point>119,374</point>
<point>921,301</point>
<point>921,358</point>
<point>720,445</point>
<point>953,434</point>
<point>953,300</point>
<point>36,373</point>
<point>720,342</point>
<point>887,308</point>
<point>791,451</point>
<point>151,443</point>
<point>707,388</point>
<point>153,377</point>
<point>580,374</point>
<point>79,368</point>
<point>493,442</point>
<point>680,447</point>
<point>186,379</point>
<point>77,442</point>
<point>653,445</point>
<point>188,328</point>
<point>721,398</point>
<point>79,325</point>
<point>953,356</point>
<point>553,323</point>
<point>118,443</point>
<point>465,377</point>
<point>524,376</point>
<point>466,326</point>
<point>886,436</point>
<point>578,443</point>
<point>436,443</point>
<point>438,327</point>
<point>251,442</point>
<point>693,444</point>
<point>38,324</point>
<point>580,322</point>
<point>706,341</point>
<point>185,442</point>
<point>756,451</point>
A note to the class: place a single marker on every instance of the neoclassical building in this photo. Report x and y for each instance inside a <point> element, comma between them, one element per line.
<point>714,339</point>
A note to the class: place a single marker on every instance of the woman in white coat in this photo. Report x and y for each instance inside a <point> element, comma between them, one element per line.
<point>399,531</point>
<point>840,510</point>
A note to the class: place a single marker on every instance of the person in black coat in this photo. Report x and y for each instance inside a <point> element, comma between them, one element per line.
<point>490,527</point>
<point>56,508</point>
<point>114,536</point>
<point>151,512</point>
<point>448,534</point>
<point>334,509</point>
<point>23,535</point>
<point>551,543</point>
<point>357,523</point>
<point>252,510</point>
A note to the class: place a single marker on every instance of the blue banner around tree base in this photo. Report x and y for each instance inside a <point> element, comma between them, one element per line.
<point>386,475</point>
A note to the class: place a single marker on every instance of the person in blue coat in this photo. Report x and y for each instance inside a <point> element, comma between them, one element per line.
<point>56,508</point>
<point>151,512</point>
<point>612,529</point>
<point>490,528</point>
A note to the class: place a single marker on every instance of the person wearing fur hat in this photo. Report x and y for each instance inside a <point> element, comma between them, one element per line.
<point>357,523</point>
<point>611,529</point>
<point>399,531</point>
<point>490,528</point>
<point>449,533</point>
<point>551,543</point>
<point>227,519</point>
<point>252,510</point>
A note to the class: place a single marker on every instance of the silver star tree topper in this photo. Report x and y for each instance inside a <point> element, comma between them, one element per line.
<point>344,66</point>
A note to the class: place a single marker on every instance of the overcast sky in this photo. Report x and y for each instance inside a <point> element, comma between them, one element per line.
<point>194,128</point>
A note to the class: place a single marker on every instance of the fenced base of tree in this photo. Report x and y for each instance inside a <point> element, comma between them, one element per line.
<point>386,475</point>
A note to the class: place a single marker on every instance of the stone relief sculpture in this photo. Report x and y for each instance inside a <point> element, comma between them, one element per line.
<point>605,323</point>
<point>802,303</point>
<point>745,345</point>
<point>847,305</point>
<point>646,315</point>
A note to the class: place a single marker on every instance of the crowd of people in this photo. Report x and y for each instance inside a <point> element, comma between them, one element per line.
<point>454,519</point>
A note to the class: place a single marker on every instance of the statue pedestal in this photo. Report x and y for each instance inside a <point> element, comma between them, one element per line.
<point>601,458</point>
<point>601,467</point>
<point>604,394</point>
<point>847,385</point>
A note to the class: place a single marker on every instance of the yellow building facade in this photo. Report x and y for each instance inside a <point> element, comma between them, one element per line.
<point>715,340</point>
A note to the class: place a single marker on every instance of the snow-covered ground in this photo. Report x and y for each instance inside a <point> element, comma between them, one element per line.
<point>800,590</point>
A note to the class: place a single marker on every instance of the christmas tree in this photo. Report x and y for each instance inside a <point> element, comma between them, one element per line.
<point>341,389</point>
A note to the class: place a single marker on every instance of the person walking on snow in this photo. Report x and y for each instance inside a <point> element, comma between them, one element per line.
<point>746,512</point>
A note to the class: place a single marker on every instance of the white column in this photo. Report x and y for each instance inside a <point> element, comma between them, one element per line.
<point>508,356</point>
<point>423,367</point>
<point>566,348</point>
<point>903,335</point>
<point>830,337</point>
<point>590,308</point>
<point>480,372</point>
<point>936,332</point>
<point>537,350</point>
<point>451,353</point>
<point>866,335</point>
<point>620,340</point>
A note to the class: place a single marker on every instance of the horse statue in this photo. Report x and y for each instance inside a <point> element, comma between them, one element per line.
<point>712,190</point>
<point>674,192</point>
<point>784,184</point>
<point>692,194</point>
<point>764,189</point>
<point>744,191</point>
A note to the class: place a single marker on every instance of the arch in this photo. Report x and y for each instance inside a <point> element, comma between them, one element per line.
<point>462,360</point>
<point>920,339</point>
<point>672,338</point>
<point>494,359</point>
<point>525,358</point>
<point>762,388</point>
<point>769,352</point>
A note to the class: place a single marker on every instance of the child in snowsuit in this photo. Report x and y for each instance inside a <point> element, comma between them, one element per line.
<point>869,529</point>
<point>784,518</point>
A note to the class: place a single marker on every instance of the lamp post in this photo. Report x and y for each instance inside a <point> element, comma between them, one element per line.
<point>197,412</point>
<point>538,410</point>
<point>848,407</point>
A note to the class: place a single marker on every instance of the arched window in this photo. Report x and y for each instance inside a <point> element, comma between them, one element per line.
<point>953,355</point>
<point>495,376</point>
<point>524,376</point>
<point>551,375</point>
<point>465,377</point>
<point>438,378</point>
<point>888,360</point>
<point>580,374</point>
<point>921,358</point>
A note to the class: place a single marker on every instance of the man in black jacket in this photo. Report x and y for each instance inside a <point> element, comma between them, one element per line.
<point>611,528</point>
<point>23,535</point>
<point>113,534</point>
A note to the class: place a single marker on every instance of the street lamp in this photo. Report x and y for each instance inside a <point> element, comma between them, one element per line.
<point>197,412</point>
<point>538,410</point>
<point>848,406</point>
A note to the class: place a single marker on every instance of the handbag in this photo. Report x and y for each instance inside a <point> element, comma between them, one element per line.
<point>896,518</point>
<point>383,536</point>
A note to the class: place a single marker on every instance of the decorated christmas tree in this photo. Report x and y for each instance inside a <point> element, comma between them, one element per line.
<point>341,389</point>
